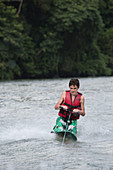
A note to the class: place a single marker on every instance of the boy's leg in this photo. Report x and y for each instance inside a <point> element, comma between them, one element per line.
<point>73,126</point>
<point>59,125</point>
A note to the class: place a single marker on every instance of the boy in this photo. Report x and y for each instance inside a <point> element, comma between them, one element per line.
<point>72,101</point>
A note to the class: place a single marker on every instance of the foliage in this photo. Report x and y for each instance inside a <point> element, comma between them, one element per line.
<point>16,46</point>
<point>105,42</point>
<point>53,38</point>
<point>78,24</point>
<point>106,11</point>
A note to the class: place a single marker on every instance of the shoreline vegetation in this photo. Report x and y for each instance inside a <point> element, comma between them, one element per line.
<point>55,39</point>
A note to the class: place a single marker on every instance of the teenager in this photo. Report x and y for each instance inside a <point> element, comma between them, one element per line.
<point>71,101</point>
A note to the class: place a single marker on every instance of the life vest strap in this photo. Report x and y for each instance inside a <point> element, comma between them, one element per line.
<point>72,107</point>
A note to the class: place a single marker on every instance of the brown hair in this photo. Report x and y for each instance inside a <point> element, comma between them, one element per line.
<point>74,82</point>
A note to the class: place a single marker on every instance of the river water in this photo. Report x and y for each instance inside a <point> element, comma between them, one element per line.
<point>27,117</point>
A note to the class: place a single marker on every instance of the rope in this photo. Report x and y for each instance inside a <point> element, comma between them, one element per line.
<point>59,156</point>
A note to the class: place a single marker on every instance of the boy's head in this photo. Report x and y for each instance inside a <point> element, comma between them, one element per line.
<point>74,81</point>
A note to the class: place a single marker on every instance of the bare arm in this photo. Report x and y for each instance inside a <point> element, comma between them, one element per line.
<point>62,98</point>
<point>82,111</point>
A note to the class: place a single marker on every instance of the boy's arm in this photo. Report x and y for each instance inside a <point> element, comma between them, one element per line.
<point>62,98</point>
<point>82,111</point>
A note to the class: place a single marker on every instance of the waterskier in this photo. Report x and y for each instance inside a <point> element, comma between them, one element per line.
<point>72,101</point>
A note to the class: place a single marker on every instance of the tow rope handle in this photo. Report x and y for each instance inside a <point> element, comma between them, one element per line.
<point>70,111</point>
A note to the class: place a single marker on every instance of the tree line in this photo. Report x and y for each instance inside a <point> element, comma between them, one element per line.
<point>55,38</point>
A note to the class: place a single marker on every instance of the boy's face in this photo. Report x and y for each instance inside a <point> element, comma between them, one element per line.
<point>73,90</point>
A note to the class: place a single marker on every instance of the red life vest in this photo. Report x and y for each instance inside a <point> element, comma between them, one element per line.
<point>68,102</point>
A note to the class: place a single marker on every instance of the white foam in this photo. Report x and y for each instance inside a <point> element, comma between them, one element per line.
<point>21,133</point>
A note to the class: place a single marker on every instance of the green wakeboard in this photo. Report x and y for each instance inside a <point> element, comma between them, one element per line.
<point>69,134</point>
<point>62,129</point>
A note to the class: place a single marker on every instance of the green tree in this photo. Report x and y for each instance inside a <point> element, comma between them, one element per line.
<point>70,38</point>
<point>106,11</point>
<point>55,37</point>
<point>16,47</point>
<point>105,39</point>
<point>105,42</point>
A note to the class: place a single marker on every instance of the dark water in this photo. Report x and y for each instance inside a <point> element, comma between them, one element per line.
<point>27,116</point>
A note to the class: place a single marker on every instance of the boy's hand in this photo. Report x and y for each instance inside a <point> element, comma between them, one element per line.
<point>76,110</point>
<point>63,107</point>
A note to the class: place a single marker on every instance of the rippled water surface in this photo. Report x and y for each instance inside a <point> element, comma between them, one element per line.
<point>27,117</point>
